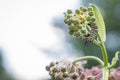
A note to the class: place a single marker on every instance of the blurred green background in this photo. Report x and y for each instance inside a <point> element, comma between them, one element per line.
<point>111,13</point>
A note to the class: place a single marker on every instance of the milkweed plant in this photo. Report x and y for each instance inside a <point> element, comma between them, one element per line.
<point>86,23</point>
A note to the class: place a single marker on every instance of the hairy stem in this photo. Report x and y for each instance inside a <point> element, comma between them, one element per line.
<point>89,58</point>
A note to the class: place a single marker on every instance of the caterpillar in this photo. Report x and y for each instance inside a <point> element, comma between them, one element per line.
<point>93,32</point>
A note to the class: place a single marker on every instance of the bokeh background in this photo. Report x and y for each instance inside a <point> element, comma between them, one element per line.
<point>32,34</point>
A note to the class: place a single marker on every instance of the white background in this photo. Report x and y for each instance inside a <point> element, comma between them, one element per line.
<point>25,26</point>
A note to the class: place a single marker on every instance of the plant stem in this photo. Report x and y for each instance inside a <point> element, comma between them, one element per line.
<point>96,42</point>
<point>105,59</point>
<point>105,73</point>
<point>89,58</point>
<point>104,52</point>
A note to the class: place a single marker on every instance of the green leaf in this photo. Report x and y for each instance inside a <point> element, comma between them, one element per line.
<point>114,60</point>
<point>100,22</point>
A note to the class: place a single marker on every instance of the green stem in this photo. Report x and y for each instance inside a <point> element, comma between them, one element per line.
<point>89,58</point>
<point>105,73</point>
<point>105,59</point>
<point>104,52</point>
<point>96,42</point>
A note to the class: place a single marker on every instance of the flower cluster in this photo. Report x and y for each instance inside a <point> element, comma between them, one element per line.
<point>82,23</point>
<point>95,73</point>
<point>115,74</point>
<point>65,70</point>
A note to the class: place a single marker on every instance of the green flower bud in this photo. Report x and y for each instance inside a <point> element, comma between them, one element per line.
<point>84,9</point>
<point>71,32</point>
<point>79,27</point>
<point>71,28</point>
<point>81,8</point>
<point>65,21</point>
<point>79,22</point>
<point>81,13</point>
<point>90,9</point>
<point>77,11</point>
<point>70,22</point>
<point>54,70</point>
<point>76,22</point>
<point>52,64</point>
<point>77,34</point>
<point>69,11</point>
<point>75,29</point>
<point>88,18</point>
<point>92,19</point>
<point>83,31</point>
<point>69,16</point>
<point>52,75</point>
<point>90,13</point>
<point>63,69</point>
<point>65,75</point>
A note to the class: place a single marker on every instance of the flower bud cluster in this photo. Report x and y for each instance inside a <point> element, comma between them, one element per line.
<point>79,23</point>
<point>64,70</point>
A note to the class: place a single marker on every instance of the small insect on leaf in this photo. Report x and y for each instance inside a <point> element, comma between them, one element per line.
<point>100,22</point>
